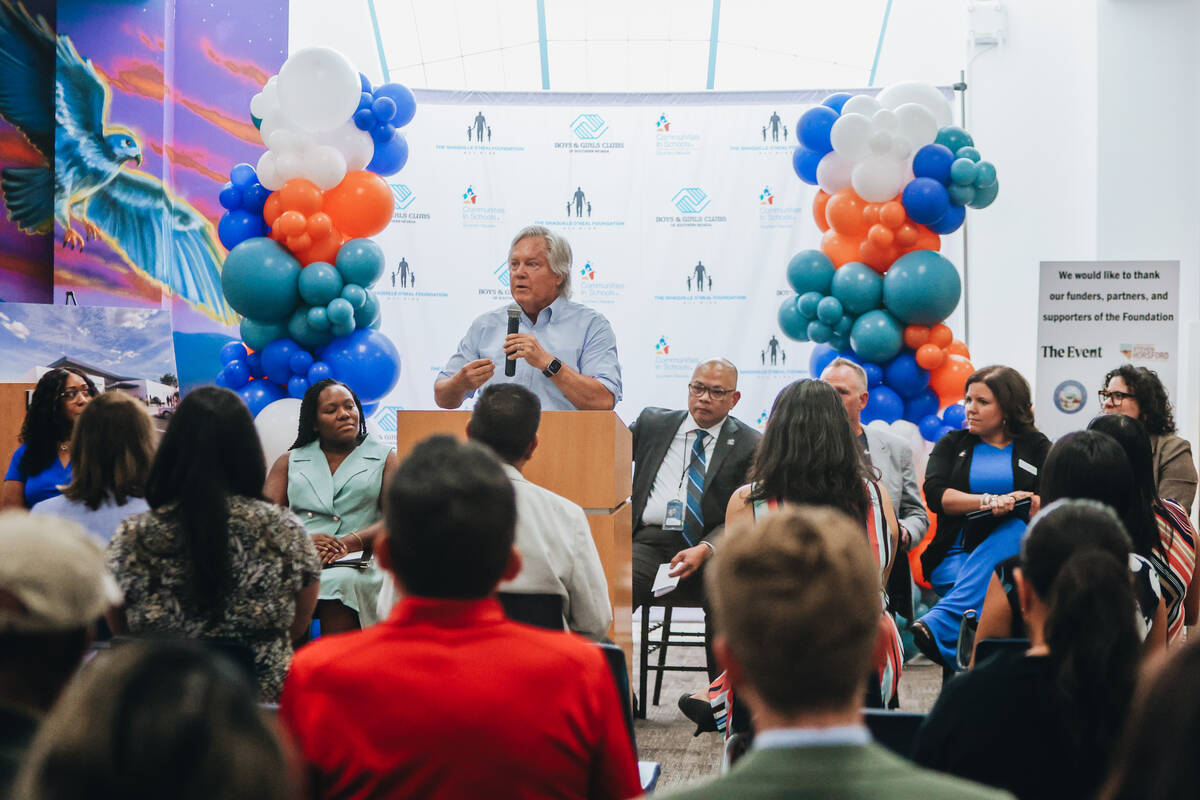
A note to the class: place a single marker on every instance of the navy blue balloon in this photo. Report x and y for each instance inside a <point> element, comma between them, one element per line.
<point>254,196</point>
<point>364,120</point>
<point>955,416</point>
<point>365,81</point>
<point>942,431</point>
<point>390,157</point>
<point>254,364</point>
<point>221,380</point>
<point>819,359</point>
<point>804,162</point>
<point>230,197</point>
<point>243,175</point>
<point>874,373</point>
<point>951,221</point>
<point>793,324</point>
<point>814,126</point>
<point>933,161</point>
<point>406,104</point>
<point>319,371</point>
<point>837,100</point>
<point>930,427</point>
<point>921,405</point>
<point>297,386</point>
<point>904,376</point>
<point>926,200</point>
<point>237,374</point>
<point>384,109</point>
<point>232,351</point>
<point>383,133</point>
<point>237,226</point>
<point>276,360</point>
<point>884,404</point>
<point>366,361</point>
<point>365,99</point>
<point>300,361</point>
<point>259,394</point>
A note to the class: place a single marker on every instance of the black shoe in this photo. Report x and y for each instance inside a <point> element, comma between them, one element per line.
<point>923,639</point>
<point>699,712</point>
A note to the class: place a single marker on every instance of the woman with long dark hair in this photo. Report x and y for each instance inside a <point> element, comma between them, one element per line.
<point>213,559</point>
<point>1044,722</point>
<point>333,478</point>
<point>1137,392</point>
<point>42,463</point>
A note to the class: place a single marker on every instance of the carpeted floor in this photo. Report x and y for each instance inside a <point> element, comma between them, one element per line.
<point>665,735</point>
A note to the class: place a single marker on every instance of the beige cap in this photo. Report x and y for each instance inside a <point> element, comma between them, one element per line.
<point>52,575</point>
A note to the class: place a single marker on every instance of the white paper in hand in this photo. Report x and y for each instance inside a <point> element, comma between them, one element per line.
<point>663,582</point>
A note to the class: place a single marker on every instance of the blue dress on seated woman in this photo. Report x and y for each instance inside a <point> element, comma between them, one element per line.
<point>44,484</point>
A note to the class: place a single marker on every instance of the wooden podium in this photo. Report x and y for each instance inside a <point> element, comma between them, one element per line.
<point>585,456</point>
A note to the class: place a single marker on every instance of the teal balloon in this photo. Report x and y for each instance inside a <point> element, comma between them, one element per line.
<point>342,329</point>
<point>319,283</point>
<point>258,335</point>
<point>961,195</point>
<point>340,313</point>
<point>829,311</point>
<point>318,320</point>
<point>259,280</point>
<point>843,327</point>
<point>367,315</point>
<point>304,334</point>
<point>921,288</point>
<point>819,332</point>
<point>877,336</point>
<point>840,341</point>
<point>857,287</point>
<point>355,294</point>
<point>963,172</point>
<point>810,271</point>
<point>361,261</point>
<point>968,152</point>
<point>985,175</point>
<point>807,304</point>
<point>954,138</point>
<point>985,195</point>
<point>793,324</point>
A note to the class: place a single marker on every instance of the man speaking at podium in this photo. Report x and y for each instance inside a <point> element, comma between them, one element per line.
<point>563,352</point>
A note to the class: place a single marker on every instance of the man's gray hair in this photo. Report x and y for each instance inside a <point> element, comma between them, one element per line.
<point>560,254</point>
<point>858,371</point>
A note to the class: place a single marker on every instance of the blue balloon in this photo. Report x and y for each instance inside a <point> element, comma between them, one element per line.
<point>365,100</point>
<point>930,427</point>
<point>259,394</point>
<point>829,311</point>
<point>384,109</point>
<point>307,335</point>
<point>953,137</point>
<point>955,416</point>
<point>807,271</point>
<point>933,161</point>
<point>366,361</point>
<point>383,134</point>
<point>254,364</point>
<point>819,359</point>
<point>243,176</point>
<point>390,156</point>
<point>406,104</point>
<point>877,336</point>
<point>921,288</point>
<point>300,361</point>
<point>361,261</point>
<point>232,351</point>
<point>237,374</point>
<point>819,332</point>
<point>238,226</point>
<point>369,409</point>
<point>254,197</point>
<point>259,280</point>
<point>367,314</point>
<point>942,431</point>
<point>221,380</point>
<point>903,375</point>
<point>258,335</point>
<point>925,200</point>
<point>804,162</point>
<point>985,195</point>
<point>814,126</point>
<point>366,83</point>
<point>319,371</point>
<point>884,404</point>
<point>837,100</point>
<point>276,360</point>
<point>857,287</point>
<point>793,324</point>
<point>807,304</point>
<point>297,386</point>
<point>949,223</point>
<point>319,283</point>
<point>921,405</point>
<point>230,197</point>
<point>364,120</point>
<point>354,294</point>
<point>874,373</point>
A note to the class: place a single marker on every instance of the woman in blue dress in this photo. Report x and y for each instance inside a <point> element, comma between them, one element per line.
<point>43,463</point>
<point>990,466</point>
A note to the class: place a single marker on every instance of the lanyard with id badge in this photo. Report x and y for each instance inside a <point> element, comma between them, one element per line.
<point>673,520</point>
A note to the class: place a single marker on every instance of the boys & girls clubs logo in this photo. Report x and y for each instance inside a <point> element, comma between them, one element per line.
<point>690,203</point>
<point>403,197</point>
<point>589,131</point>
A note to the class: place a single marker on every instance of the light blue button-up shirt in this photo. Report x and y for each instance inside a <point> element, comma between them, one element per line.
<point>576,335</point>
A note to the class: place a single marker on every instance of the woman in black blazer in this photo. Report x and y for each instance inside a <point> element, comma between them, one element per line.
<point>990,467</point>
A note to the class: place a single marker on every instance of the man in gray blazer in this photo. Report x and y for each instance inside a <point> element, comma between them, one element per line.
<point>892,456</point>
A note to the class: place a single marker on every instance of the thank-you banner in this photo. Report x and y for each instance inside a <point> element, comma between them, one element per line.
<point>682,211</point>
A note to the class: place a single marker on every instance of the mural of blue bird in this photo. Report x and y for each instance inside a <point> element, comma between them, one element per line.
<point>156,233</point>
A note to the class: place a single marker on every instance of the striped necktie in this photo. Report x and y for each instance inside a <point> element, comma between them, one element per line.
<point>693,518</point>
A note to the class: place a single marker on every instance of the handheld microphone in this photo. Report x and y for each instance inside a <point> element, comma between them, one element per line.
<point>514,323</point>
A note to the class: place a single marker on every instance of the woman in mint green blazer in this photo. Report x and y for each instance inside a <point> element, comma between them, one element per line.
<point>333,478</point>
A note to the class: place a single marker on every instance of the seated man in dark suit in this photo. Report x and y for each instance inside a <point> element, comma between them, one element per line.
<point>796,601</point>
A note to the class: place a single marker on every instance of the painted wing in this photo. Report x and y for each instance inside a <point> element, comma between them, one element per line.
<point>27,49</point>
<point>164,237</point>
<point>79,98</point>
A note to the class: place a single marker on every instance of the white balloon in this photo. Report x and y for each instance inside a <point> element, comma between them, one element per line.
<point>356,146</point>
<point>849,135</point>
<point>861,104</point>
<point>266,101</point>
<point>916,124</point>
<point>833,172</point>
<point>268,173</point>
<point>885,120</point>
<point>880,142</point>
<point>289,165</point>
<point>324,166</point>
<point>922,94</point>
<point>318,88</point>
<point>901,149</point>
<point>877,179</point>
<point>276,425</point>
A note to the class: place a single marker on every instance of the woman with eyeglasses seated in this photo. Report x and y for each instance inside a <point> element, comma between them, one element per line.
<point>1137,392</point>
<point>43,462</point>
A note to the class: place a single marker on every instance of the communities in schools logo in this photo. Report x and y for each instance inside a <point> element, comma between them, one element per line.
<point>771,214</point>
<point>663,125</point>
<point>667,143</point>
<point>1070,397</point>
<point>469,197</point>
<point>475,214</point>
<point>403,197</point>
<point>761,421</point>
<point>586,273</point>
<point>595,291</point>
<point>690,202</point>
<point>1143,352</point>
<point>765,198</point>
<point>478,138</point>
<point>661,347</point>
<point>589,135</point>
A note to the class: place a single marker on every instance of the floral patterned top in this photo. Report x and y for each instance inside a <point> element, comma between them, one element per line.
<point>272,559</point>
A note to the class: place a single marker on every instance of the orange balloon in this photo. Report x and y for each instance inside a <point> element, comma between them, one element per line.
<point>844,212</point>
<point>870,214</point>
<point>272,208</point>
<point>290,223</point>
<point>892,214</point>
<point>950,379</point>
<point>298,243</point>
<point>320,225</point>
<point>881,236</point>
<point>907,235</point>
<point>325,249</point>
<point>819,204</point>
<point>301,195</point>
<point>927,240</point>
<point>941,335</point>
<point>876,257</point>
<point>840,248</point>
<point>958,348</point>
<point>361,205</point>
<point>916,335</point>
<point>930,356</point>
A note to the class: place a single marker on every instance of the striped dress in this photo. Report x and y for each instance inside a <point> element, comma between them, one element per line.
<point>1175,560</point>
